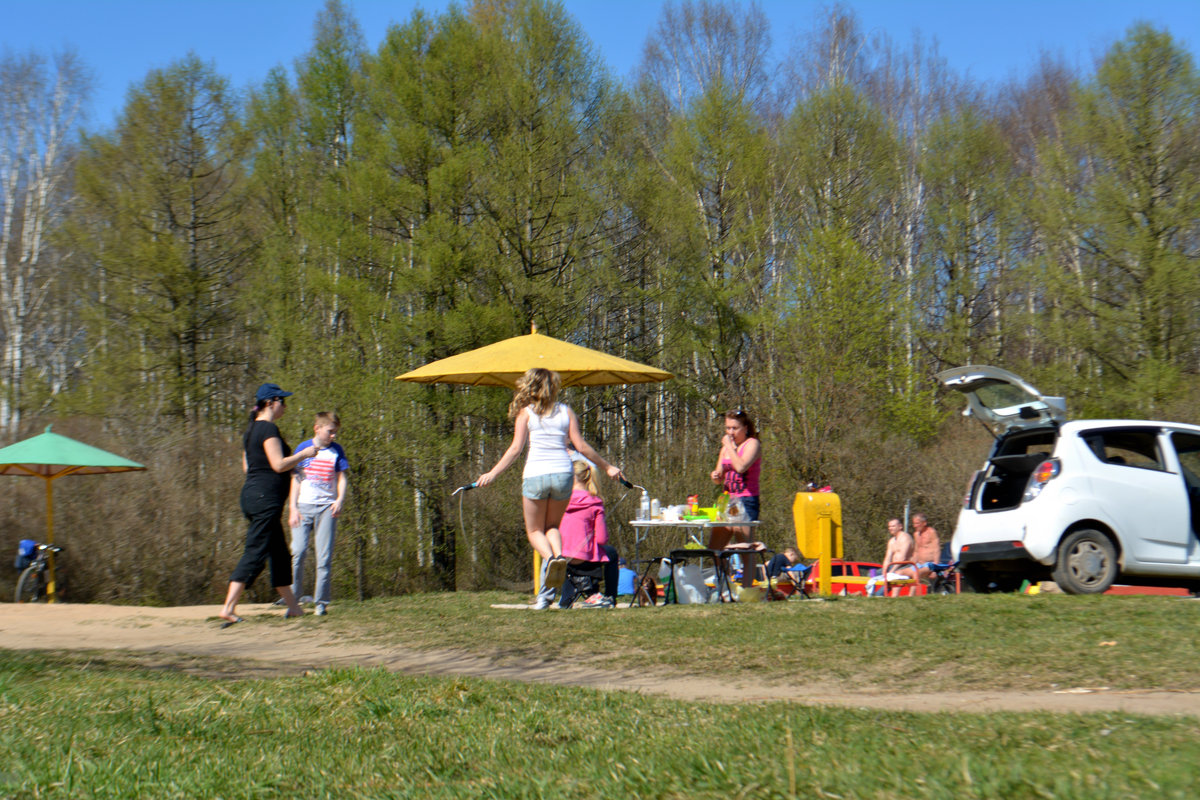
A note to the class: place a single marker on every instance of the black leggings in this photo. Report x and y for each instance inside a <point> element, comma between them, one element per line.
<point>264,539</point>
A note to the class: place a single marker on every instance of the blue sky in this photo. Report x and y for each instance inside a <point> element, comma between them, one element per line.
<point>121,40</point>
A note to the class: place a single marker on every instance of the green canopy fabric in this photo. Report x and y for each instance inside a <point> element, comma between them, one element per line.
<point>49,455</point>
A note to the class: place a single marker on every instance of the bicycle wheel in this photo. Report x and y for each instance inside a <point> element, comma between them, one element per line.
<point>31,588</point>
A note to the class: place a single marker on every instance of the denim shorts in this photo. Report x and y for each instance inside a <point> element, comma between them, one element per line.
<point>556,486</point>
<point>750,503</point>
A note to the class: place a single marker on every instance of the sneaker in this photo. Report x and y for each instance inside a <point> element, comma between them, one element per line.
<point>321,609</point>
<point>279,602</point>
<point>556,571</point>
<point>306,600</point>
<point>597,601</point>
<point>542,602</point>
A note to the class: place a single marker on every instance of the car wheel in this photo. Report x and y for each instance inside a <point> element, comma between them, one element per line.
<point>1087,563</point>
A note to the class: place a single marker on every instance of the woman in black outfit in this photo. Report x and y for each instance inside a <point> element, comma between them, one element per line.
<point>267,461</point>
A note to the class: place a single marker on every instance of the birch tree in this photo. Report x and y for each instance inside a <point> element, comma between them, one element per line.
<point>40,104</point>
<point>702,88</point>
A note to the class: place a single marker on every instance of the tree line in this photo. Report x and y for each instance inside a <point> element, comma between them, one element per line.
<point>810,238</point>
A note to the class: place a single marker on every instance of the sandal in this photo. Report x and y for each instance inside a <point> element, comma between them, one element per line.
<point>229,622</point>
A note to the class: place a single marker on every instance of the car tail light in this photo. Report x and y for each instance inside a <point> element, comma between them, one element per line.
<point>1046,471</point>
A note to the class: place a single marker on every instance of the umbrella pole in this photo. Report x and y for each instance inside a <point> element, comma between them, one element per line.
<point>51,587</point>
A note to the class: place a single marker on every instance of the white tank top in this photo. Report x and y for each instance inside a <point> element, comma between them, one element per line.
<point>547,442</point>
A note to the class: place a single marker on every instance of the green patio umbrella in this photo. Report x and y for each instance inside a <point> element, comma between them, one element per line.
<point>49,456</point>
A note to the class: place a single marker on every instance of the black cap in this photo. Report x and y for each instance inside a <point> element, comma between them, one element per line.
<point>269,391</point>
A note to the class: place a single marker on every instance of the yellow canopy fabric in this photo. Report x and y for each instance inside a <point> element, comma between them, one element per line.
<point>502,363</point>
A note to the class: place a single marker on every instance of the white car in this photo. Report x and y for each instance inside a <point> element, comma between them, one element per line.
<point>1086,503</point>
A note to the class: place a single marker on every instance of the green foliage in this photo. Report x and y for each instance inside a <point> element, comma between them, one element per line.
<point>1119,199</point>
<point>160,226</point>
<point>971,289</point>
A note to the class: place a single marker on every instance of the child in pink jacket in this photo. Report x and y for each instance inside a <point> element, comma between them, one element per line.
<point>583,535</point>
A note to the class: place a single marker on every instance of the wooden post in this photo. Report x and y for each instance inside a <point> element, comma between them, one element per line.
<point>51,585</point>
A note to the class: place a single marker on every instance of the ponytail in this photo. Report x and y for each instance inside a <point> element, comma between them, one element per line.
<point>259,405</point>
<point>585,475</point>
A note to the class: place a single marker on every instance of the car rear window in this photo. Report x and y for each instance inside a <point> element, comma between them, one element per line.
<point>1028,443</point>
<point>1001,395</point>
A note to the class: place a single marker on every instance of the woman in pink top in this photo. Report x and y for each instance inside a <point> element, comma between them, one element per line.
<point>738,467</point>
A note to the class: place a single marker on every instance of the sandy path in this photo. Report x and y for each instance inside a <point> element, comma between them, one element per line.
<point>265,644</point>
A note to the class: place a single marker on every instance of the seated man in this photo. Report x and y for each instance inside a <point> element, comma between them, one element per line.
<point>899,550</point>
<point>926,546</point>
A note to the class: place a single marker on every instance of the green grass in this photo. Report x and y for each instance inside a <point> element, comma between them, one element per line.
<point>968,642</point>
<point>136,726</point>
<point>74,727</point>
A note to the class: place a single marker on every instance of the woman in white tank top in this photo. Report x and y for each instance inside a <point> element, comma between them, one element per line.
<point>547,426</point>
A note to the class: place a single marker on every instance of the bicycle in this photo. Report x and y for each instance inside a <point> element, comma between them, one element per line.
<point>32,586</point>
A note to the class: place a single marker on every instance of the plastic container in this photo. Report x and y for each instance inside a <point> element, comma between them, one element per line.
<point>749,594</point>
<point>689,584</point>
<point>644,508</point>
<point>722,505</point>
<point>655,509</point>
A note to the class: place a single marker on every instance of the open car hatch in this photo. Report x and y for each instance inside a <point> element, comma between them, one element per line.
<point>1001,400</point>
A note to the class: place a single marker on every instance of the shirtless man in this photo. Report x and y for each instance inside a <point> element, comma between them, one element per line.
<point>927,547</point>
<point>899,548</point>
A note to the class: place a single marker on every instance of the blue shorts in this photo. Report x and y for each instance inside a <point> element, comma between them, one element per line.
<point>751,505</point>
<point>556,486</point>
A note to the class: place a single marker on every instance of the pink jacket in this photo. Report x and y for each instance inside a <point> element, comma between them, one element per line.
<point>582,527</point>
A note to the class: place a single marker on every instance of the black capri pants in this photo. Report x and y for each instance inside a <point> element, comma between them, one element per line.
<point>264,540</point>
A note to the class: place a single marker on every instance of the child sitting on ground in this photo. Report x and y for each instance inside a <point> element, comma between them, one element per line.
<point>584,535</point>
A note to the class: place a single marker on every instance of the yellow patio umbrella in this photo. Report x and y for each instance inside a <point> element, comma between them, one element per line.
<point>502,363</point>
<point>50,456</point>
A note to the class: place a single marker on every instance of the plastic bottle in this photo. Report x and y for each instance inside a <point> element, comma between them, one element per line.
<point>644,509</point>
<point>655,509</point>
<point>722,505</point>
